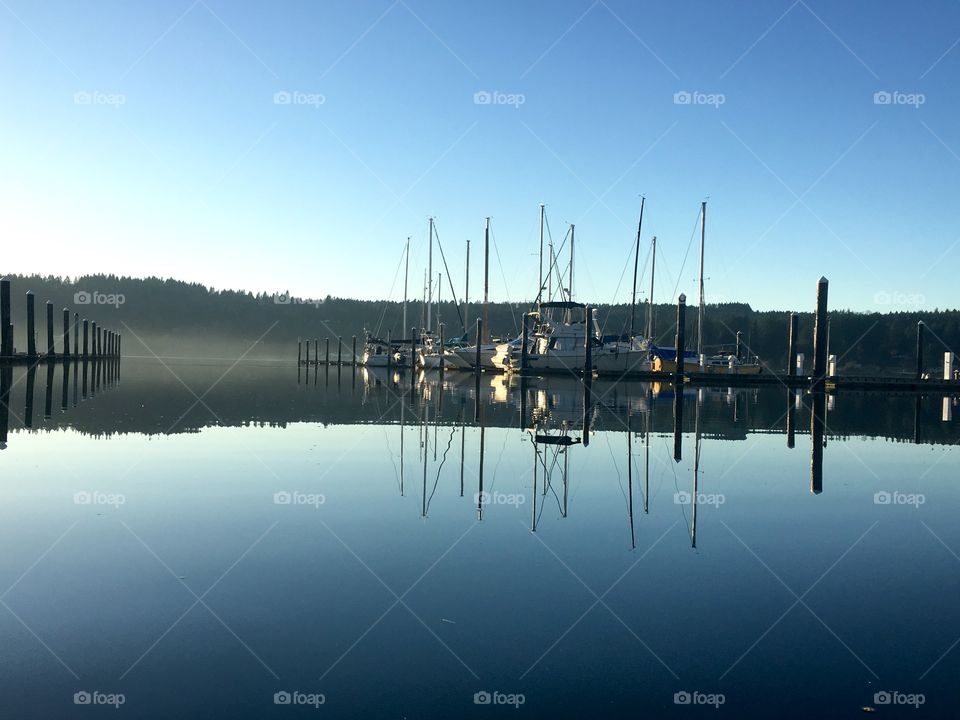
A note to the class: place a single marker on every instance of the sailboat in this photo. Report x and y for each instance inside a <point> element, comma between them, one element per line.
<point>488,350</point>
<point>665,360</point>
<point>378,352</point>
<point>433,353</point>
<point>631,354</point>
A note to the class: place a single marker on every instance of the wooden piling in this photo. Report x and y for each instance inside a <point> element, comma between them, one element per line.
<point>588,344</point>
<point>76,338</point>
<point>66,332</point>
<point>353,352</point>
<point>299,352</point>
<point>6,337</point>
<point>441,350</point>
<point>99,342</point>
<point>340,350</point>
<point>86,330</point>
<point>479,337</point>
<point>308,353</point>
<point>316,351</point>
<point>93,340</point>
<point>820,337</point>
<point>328,352</point>
<point>739,352</point>
<point>50,351</point>
<point>920,331</point>
<point>31,326</point>
<point>792,346</point>
<point>524,352</point>
<point>681,336</point>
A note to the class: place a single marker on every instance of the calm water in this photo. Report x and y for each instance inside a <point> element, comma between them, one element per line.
<point>192,540</point>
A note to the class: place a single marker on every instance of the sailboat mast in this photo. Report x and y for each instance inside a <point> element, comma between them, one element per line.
<point>550,272</point>
<point>636,262</point>
<point>570,289</point>
<point>653,267</point>
<point>439,289</point>
<point>703,228</point>
<point>466,292</point>
<point>430,278</point>
<point>406,278</point>
<point>486,281</point>
<point>540,286</point>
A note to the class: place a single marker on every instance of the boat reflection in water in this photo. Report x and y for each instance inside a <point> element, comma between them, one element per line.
<point>557,416</point>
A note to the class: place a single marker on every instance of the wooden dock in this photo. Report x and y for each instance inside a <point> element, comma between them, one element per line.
<point>90,340</point>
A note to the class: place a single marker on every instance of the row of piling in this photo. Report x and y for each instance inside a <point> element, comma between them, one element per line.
<point>97,341</point>
<point>303,353</point>
<point>824,368</point>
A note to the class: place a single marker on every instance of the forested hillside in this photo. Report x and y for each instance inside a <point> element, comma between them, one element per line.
<point>173,318</point>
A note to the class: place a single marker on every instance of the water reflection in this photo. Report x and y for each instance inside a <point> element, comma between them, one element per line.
<point>546,474</point>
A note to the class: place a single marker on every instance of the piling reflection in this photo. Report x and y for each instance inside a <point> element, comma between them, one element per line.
<point>556,416</point>
<point>26,379</point>
<point>817,425</point>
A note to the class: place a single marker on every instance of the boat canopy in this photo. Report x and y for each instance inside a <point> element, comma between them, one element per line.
<point>563,304</point>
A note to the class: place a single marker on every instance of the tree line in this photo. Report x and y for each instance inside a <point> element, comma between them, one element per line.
<point>165,316</point>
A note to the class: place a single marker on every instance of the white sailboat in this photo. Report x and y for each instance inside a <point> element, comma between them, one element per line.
<point>488,350</point>
<point>397,353</point>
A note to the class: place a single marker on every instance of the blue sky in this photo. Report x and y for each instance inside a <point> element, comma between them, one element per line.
<point>144,139</point>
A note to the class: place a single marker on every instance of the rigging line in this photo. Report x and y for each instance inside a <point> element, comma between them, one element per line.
<point>506,290</point>
<point>626,264</point>
<point>456,303</point>
<point>387,438</point>
<point>546,223</point>
<point>503,447</point>
<point>557,252</point>
<point>603,325</point>
<point>440,467</point>
<point>556,497</point>
<point>616,467</point>
<point>687,255</point>
<point>390,295</point>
